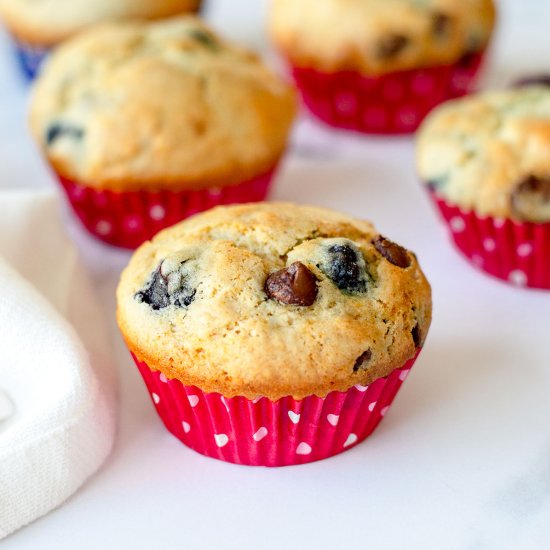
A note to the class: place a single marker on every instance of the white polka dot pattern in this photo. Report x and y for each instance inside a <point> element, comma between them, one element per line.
<point>103,228</point>
<point>514,252</point>
<point>266,433</point>
<point>221,440</point>
<point>518,277</point>
<point>457,224</point>
<point>351,439</point>
<point>525,249</point>
<point>128,219</point>
<point>394,103</point>
<point>193,400</point>
<point>157,212</point>
<point>303,449</point>
<point>260,434</point>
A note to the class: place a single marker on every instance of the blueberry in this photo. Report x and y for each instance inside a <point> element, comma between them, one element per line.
<point>345,268</point>
<point>205,38</point>
<point>57,130</point>
<point>156,293</point>
<point>432,185</point>
<point>164,290</point>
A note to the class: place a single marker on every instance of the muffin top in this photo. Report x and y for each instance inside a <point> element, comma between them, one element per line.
<point>164,105</point>
<point>273,299</point>
<point>47,22</point>
<point>380,36</point>
<point>491,153</point>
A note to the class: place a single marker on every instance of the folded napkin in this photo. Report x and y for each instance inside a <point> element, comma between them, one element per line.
<point>57,388</point>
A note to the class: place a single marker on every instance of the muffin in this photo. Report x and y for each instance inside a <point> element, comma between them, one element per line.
<point>273,334</point>
<point>379,66</point>
<point>37,26</point>
<point>485,161</point>
<point>147,123</point>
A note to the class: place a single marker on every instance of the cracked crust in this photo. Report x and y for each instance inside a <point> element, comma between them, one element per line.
<point>166,105</point>
<point>380,36</point>
<point>477,152</point>
<point>48,22</point>
<point>234,340</point>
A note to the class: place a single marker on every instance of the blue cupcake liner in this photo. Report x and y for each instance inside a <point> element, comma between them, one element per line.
<point>30,58</point>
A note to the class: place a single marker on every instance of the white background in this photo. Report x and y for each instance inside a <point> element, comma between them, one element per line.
<point>462,460</point>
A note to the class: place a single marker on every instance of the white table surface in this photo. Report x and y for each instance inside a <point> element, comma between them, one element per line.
<point>462,460</point>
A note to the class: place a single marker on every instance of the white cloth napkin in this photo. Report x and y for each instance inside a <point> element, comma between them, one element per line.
<point>57,385</point>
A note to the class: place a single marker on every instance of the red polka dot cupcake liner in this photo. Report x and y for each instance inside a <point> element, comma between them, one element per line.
<point>516,252</point>
<point>261,432</point>
<point>129,218</point>
<point>395,103</point>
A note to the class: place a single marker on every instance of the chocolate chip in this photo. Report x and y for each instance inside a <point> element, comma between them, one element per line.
<point>205,38</point>
<point>391,45</point>
<point>168,289</point>
<point>533,80</point>
<point>57,130</point>
<point>531,200</point>
<point>293,285</point>
<point>441,24</point>
<point>416,336</point>
<point>395,254</point>
<point>468,60</point>
<point>362,360</point>
<point>344,268</point>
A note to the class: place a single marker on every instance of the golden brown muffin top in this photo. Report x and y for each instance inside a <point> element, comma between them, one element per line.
<point>491,153</point>
<point>165,105</point>
<point>273,299</point>
<point>48,22</point>
<point>380,36</point>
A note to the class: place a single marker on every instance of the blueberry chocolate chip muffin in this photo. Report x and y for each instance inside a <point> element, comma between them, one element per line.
<point>380,36</point>
<point>46,22</point>
<point>159,105</point>
<point>273,300</point>
<point>380,66</point>
<point>145,123</point>
<point>489,153</point>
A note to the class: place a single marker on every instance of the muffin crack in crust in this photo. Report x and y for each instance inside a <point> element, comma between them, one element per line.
<point>479,152</point>
<point>166,104</point>
<point>269,315</point>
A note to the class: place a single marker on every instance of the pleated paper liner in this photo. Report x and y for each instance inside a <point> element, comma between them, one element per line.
<point>516,252</point>
<point>129,218</point>
<point>261,432</point>
<point>395,103</point>
<point>29,57</point>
